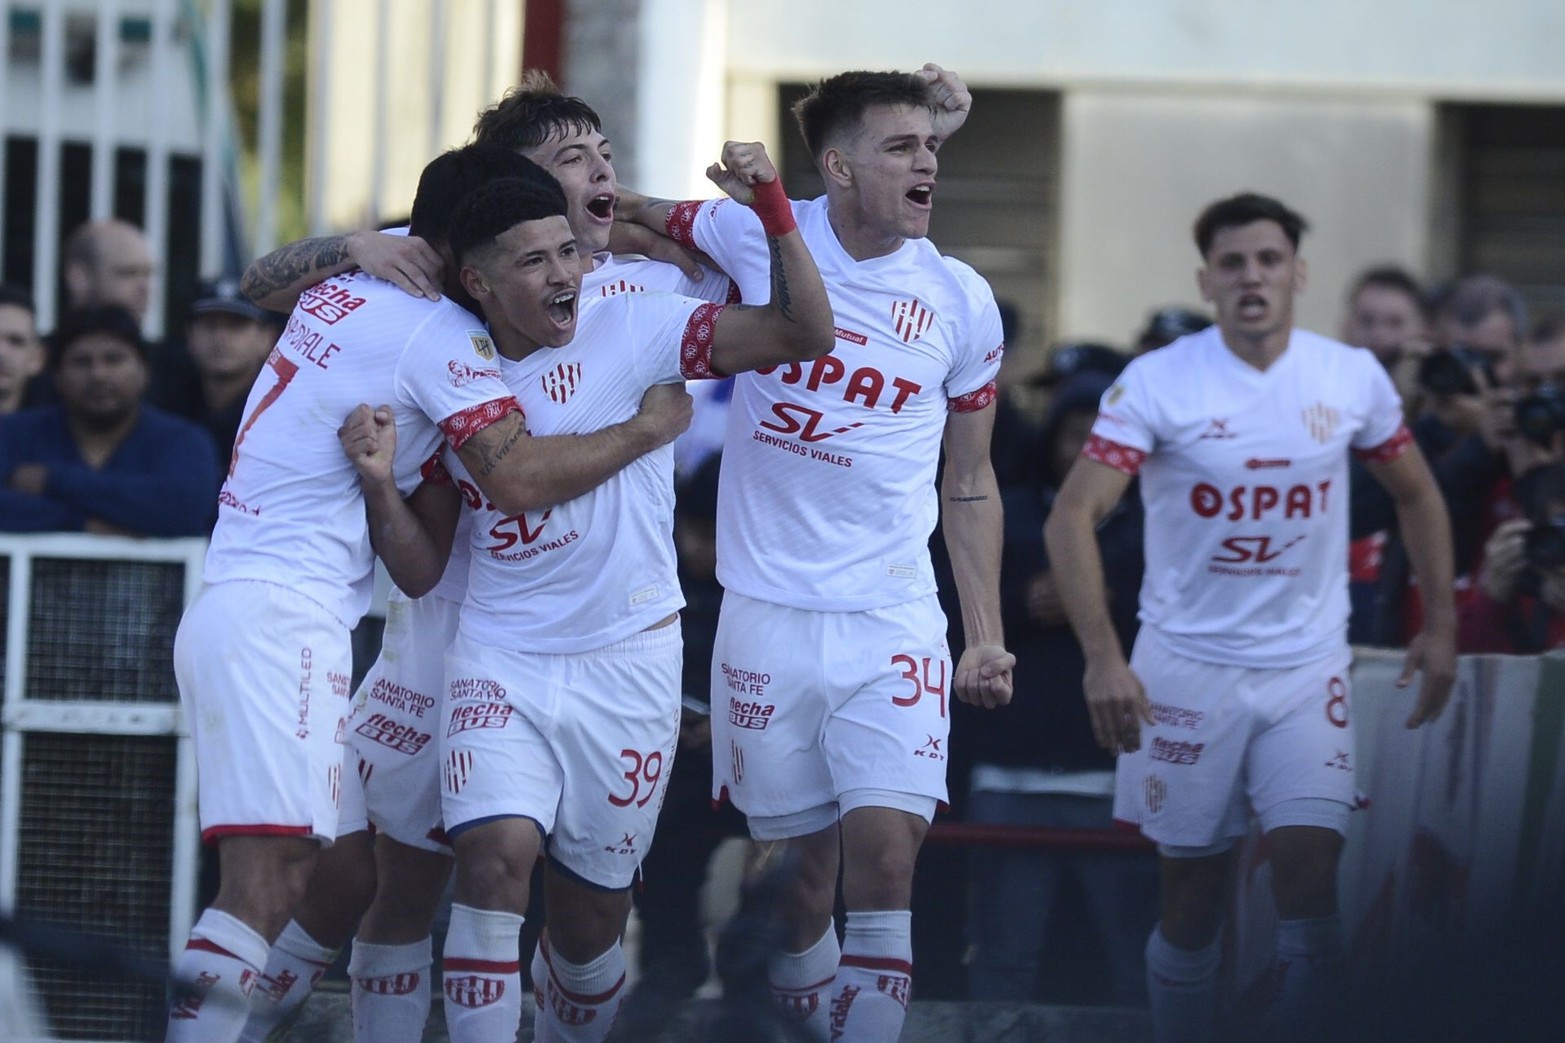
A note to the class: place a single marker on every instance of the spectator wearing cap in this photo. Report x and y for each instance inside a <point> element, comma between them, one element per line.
<point>1167,325</point>
<point>228,339</point>
<point>100,459</point>
<point>21,352</point>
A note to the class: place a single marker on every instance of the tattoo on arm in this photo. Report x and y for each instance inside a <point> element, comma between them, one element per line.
<point>283,267</point>
<point>780,295</point>
<point>967,499</point>
<point>492,457</point>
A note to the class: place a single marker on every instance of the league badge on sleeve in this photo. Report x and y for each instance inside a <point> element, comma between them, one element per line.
<point>483,347</point>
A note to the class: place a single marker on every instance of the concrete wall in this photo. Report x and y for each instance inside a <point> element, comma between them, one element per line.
<point>1138,165</point>
<point>437,80</point>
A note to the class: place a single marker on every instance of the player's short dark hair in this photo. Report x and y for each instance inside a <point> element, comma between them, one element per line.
<point>1471,299</point>
<point>838,104</point>
<point>1390,277</point>
<point>452,175</point>
<point>1244,209</point>
<point>497,206</point>
<point>108,319</point>
<point>532,112</point>
<point>18,297</point>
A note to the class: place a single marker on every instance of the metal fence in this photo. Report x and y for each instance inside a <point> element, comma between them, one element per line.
<point>98,828</point>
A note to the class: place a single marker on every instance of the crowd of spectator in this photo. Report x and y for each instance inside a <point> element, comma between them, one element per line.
<point>105,431</point>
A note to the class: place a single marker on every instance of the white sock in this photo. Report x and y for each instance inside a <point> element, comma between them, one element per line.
<point>1306,980</point>
<point>874,977</point>
<point>483,975</point>
<point>390,991</point>
<point>802,982</point>
<point>580,1000</point>
<point>215,974</point>
<point>1182,988</point>
<point>293,966</point>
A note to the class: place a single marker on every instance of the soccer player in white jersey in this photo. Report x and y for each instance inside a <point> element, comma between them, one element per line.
<point>563,701</point>
<point>390,753</point>
<point>1236,694</point>
<point>262,653</point>
<point>831,673</point>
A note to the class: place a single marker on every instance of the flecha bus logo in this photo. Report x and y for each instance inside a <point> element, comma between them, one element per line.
<point>1218,429</point>
<point>909,319</point>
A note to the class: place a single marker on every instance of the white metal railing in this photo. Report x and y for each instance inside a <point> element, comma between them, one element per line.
<point>26,713</point>
<point>149,95</point>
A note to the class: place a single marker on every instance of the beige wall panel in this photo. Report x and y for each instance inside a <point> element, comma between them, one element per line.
<point>1139,167</point>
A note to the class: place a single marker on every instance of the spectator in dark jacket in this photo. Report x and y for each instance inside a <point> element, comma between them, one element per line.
<point>1036,761</point>
<point>100,459</point>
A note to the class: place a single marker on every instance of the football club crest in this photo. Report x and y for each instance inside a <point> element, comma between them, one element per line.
<point>909,320</point>
<point>560,382</point>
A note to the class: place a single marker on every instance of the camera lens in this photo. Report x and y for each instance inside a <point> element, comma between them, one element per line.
<point>1541,415</point>
<point>1544,545</point>
<point>1447,372</point>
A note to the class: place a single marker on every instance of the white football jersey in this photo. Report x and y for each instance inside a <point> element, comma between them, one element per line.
<point>1244,475</point>
<point>291,511</point>
<point>826,496</point>
<point>596,569</point>
<point>610,277</point>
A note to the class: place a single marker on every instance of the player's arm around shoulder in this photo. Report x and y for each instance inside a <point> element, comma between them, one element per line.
<point>518,472</point>
<point>1426,531</point>
<point>973,523</point>
<point>412,536</point>
<point>276,280</point>
<point>796,323</point>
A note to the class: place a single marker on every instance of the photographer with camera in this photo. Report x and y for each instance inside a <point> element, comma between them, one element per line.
<point>1472,383</point>
<point>1520,604</point>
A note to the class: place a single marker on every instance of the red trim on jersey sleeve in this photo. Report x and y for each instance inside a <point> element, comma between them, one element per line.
<point>1388,450</point>
<point>1112,454</point>
<point>695,347</point>
<point>459,427</point>
<point>681,223</point>
<point>434,472</point>
<point>973,401</point>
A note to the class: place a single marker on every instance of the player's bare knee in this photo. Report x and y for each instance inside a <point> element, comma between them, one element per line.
<point>1304,870</point>
<point>264,879</point>
<point>494,864</point>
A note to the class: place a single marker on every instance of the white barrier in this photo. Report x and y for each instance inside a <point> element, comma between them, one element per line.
<point>98,828</point>
<point>1465,826</point>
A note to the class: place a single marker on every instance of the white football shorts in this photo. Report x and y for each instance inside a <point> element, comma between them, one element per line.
<point>394,726</point>
<point>808,706</point>
<point>1229,739</point>
<point>580,743</point>
<point>263,675</point>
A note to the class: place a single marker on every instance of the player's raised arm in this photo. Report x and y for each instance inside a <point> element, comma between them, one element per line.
<point>518,472</point>
<point>796,323</point>
<point>276,280</point>
<point>1115,696</point>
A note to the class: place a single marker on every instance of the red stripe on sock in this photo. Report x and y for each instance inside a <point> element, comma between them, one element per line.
<point>458,963</point>
<point>877,963</point>
<point>203,945</point>
<point>582,1000</point>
